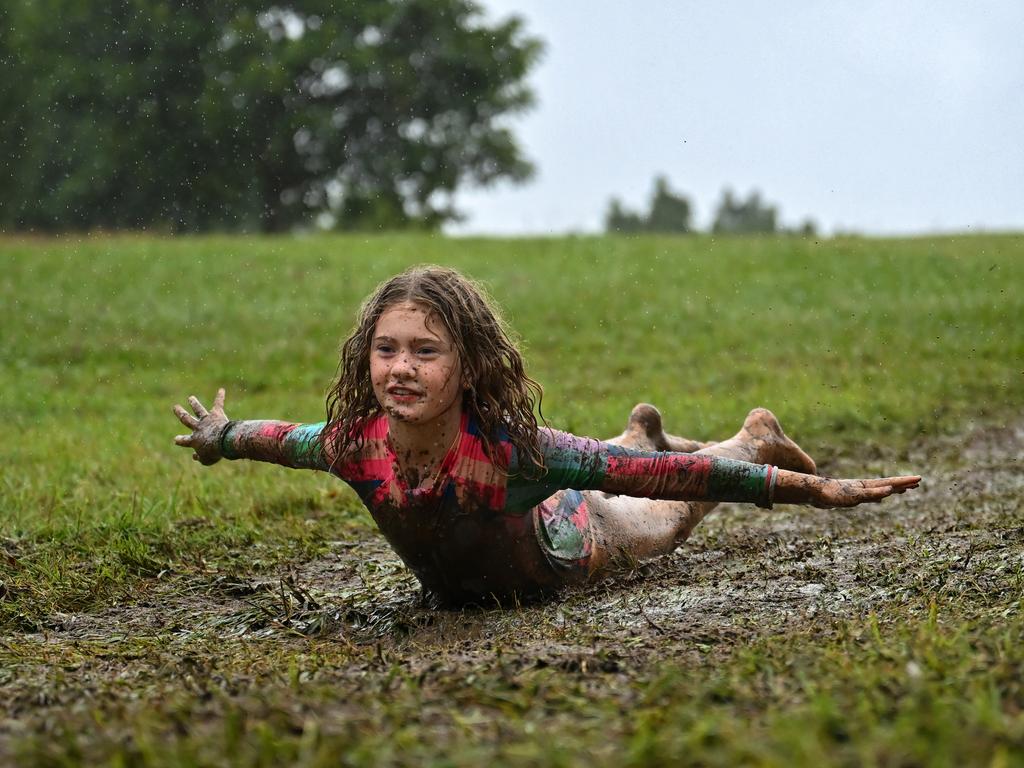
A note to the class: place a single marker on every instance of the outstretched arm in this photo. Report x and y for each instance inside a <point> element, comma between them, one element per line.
<point>582,463</point>
<point>215,437</point>
<point>585,463</point>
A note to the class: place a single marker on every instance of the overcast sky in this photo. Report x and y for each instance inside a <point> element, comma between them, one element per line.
<point>879,117</point>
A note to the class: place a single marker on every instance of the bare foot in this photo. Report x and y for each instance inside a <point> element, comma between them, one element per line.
<point>762,425</point>
<point>643,431</point>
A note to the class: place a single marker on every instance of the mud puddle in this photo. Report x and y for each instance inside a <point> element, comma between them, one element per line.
<point>745,573</point>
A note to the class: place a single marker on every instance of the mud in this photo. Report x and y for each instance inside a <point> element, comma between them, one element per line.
<point>745,573</point>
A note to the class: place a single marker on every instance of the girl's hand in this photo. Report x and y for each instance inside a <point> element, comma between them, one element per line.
<point>207,428</point>
<point>826,492</point>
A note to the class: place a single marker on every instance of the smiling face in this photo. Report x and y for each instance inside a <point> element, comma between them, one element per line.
<point>414,367</point>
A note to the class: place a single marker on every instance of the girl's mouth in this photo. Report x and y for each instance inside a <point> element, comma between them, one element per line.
<point>402,394</point>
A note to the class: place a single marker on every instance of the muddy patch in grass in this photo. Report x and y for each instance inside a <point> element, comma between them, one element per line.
<point>354,620</point>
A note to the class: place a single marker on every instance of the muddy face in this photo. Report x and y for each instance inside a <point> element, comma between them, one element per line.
<point>414,366</point>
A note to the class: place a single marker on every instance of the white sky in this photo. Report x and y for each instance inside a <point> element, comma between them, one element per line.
<point>879,117</point>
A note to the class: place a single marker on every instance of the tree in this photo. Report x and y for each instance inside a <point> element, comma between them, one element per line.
<point>618,219</point>
<point>668,213</point>
<point>193,116</point>
<point>14,92</point>
<point>744,216</point>
<point>807,228</point>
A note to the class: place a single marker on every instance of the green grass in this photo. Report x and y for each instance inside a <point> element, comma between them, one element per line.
<point>861,347</point>
<point>902,689</point>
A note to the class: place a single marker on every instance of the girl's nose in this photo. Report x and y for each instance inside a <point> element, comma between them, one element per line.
<point>402,365</point>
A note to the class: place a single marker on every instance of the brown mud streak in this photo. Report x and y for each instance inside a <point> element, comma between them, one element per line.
<point>744,573</point>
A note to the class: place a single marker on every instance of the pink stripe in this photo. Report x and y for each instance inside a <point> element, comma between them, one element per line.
<point>367,469</point>
<point>659,466</point>
<point>276,431</point>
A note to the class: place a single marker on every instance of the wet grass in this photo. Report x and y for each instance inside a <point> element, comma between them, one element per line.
<point>152,612</point>
<point>876,691</point>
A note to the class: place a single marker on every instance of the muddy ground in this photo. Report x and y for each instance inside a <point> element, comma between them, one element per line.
<point>194,644</point>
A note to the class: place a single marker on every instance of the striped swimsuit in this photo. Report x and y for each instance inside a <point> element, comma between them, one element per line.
<point>478,531</point>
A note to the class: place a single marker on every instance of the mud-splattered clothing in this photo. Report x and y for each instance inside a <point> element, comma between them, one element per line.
<point>477,530</point>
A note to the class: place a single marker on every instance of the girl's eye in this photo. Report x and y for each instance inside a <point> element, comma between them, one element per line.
<point>384,348</point>
<point>428,351</point>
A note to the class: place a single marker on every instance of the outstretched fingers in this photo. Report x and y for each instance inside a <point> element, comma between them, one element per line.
<point>198,407</point>
<point>218,401</point>
<point>878,488</point>
<point>849,493</point>
<point>185,417</point>
<point>895,484</point>
<point>873,494</point>
<point>207,428</point>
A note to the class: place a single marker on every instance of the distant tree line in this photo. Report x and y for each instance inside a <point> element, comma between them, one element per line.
<point>242,115</point>
<point>669,212</point>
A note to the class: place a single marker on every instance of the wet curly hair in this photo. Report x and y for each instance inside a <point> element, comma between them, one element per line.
<point>499,396</point>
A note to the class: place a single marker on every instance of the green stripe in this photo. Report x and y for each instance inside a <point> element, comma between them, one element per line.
<point>733,480</point>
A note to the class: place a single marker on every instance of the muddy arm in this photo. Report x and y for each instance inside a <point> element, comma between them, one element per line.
<point>583,463</point>
<point>278,442</point>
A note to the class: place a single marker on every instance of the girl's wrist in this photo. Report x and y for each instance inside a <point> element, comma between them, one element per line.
<point>223,435</point>
<point>771,478</point>
<point>796,487</point>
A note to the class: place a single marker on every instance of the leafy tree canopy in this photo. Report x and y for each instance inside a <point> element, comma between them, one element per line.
<point>192,116</point>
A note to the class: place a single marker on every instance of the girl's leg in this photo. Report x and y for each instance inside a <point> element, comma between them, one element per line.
<point>628,529</point>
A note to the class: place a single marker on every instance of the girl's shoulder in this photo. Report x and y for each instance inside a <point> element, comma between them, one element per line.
<point>471,448</point>
<point>471,427</point>
<point>372,426</point>
<point>366,438</point>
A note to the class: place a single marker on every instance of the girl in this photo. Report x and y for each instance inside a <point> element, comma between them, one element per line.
<point>431,421</point>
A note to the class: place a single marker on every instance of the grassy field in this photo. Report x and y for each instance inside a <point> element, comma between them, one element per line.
<point>153,612</point>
